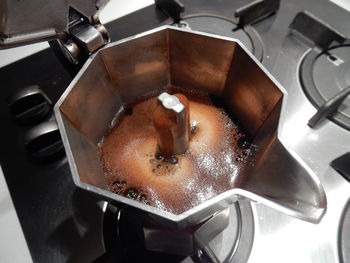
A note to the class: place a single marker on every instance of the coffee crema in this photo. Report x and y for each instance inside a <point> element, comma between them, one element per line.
<point>217,153</point>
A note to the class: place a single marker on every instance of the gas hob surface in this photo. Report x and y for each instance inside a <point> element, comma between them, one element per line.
<point>64,224</point>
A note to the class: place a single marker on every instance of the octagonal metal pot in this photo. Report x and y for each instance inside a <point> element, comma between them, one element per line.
<point>132,67</point>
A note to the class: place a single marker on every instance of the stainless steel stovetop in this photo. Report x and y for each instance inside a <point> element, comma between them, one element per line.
<point>63,224</point>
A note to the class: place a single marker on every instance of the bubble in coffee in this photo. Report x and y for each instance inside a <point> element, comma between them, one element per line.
<point>218,151</point>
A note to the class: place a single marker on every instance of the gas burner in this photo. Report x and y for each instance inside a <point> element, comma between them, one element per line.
<point>326,73</point>
<point>240,26</point>
<point>124,240</point>
<point>223,26</point>
<point>324,70</point>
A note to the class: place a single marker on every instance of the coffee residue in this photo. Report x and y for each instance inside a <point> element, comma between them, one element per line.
<point>218,151</point>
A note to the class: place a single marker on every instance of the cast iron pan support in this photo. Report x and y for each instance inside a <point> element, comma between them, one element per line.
<point>329,107</point>
<point>320,37</point>
<point>251,14</point>
<point>172,8</point>
<point>342,165</point>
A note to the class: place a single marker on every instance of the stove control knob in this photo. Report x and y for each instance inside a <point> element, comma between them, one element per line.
<point>30,105</point>
<point>43,142</point>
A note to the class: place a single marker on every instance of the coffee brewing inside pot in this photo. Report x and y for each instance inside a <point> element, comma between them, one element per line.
<point>142,161</point>
<point>120,84</point>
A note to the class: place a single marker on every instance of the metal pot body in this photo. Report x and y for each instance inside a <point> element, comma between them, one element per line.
<point>130,68</point>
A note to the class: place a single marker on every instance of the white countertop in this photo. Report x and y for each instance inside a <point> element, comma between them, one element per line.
<point>13,247</point>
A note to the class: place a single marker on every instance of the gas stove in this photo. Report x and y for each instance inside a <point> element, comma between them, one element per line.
<point>303,44</point>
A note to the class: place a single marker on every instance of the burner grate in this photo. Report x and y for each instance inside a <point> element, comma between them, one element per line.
<point>324,71</point>
<point>124,241</point>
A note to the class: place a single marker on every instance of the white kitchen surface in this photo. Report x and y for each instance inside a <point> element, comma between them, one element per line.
<point>13,247</point>
<point>342,3</point>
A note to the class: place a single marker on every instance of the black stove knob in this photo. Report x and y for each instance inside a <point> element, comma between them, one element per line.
<point>43,142</point>
<point>30,105</point>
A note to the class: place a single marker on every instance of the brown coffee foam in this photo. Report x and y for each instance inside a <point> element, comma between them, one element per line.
<point>209,128</point>
<point>205,170</point>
